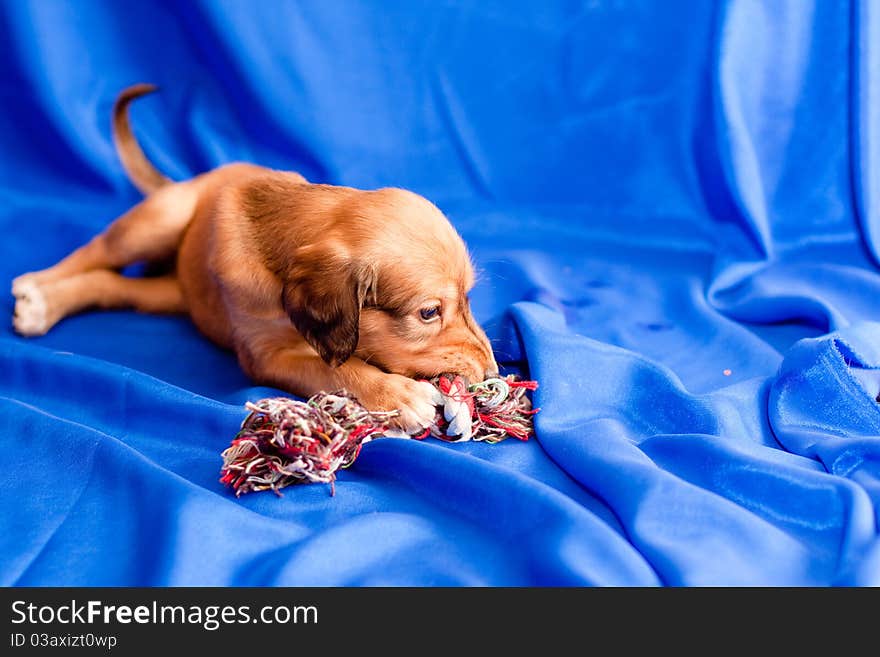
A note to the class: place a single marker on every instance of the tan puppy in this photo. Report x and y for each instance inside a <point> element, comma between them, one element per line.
<point>315,287</point>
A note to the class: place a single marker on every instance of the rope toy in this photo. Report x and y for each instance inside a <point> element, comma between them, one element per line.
<point>284,441</point>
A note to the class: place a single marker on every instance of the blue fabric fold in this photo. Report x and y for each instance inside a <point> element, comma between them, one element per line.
<point>673,210</point>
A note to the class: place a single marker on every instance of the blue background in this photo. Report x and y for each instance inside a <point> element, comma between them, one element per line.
<point>655,193</point>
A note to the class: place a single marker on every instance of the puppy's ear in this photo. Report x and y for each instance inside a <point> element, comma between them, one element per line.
<point>324,290</point>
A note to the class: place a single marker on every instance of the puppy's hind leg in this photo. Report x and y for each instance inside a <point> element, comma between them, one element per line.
<point>151,230</point>
<point>99,288</point>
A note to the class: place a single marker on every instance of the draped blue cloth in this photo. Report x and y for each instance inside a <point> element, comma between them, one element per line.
<point>675,211</point>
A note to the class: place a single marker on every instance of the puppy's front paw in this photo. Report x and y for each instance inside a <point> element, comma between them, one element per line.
<point>416,401</point>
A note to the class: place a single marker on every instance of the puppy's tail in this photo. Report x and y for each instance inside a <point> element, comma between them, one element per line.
<point>140,170</point>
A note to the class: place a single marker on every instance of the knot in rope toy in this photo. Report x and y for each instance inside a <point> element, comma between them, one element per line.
<point>489,411</point>
<point>284,441</point>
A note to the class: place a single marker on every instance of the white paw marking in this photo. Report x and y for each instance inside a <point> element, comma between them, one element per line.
<point>417,408</point>
<point>31,313</point>
<point>21,283</point>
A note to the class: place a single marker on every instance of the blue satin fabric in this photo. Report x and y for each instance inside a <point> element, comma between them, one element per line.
<point>675,211</point>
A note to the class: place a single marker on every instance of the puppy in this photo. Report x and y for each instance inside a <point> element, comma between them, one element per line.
<point>314,287</point>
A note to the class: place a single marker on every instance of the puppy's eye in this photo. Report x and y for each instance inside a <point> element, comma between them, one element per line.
<point>430,314</point>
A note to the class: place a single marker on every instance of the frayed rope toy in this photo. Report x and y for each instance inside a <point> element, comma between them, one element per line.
<point>284,441</point>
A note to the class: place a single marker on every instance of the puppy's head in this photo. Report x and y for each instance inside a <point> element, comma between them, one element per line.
<point>388,281</point>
